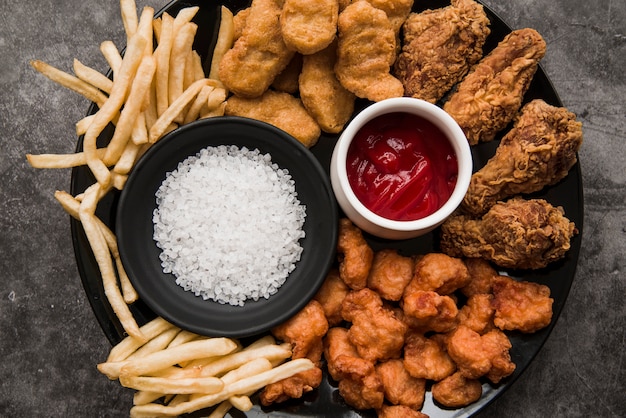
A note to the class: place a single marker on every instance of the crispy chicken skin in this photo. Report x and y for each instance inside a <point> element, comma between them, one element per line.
<point>538,151</point>
<point>375,331</point>
<point>365,52</point>
<point>522,306</point>
<point>457,391</point>
<point>355,255</point>
<point>390,274</point>
<point>426,358</point>
<point>491,94</point>
<point>439,48</point>
<point>400,387</point>
<point>331,295</point>
<point>518,233</point>
<point>259,54</point>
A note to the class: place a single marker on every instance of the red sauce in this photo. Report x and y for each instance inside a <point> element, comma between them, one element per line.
<point>401,166</point>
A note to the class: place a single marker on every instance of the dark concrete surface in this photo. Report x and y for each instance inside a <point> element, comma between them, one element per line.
<point>50,341</point>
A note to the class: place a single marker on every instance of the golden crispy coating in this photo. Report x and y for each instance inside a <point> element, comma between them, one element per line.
<point>375,331</point>
<point>439,48</point>
<point>429,311</point>
<point>440,273</point>
<point>491,94</point>
<point>309,26</point>
<point>326,100</point>
<point>477,313</point>
<point>279,109</point>
<point>539,151</point>
<point>426,358</point>
<point>390,274</point>
<point>400,387</point>
<point>365,53</point>
<point>399,411</point>
<point>355,255</point>
<point>258,55</point>
<point>523,234</point>
<point>287,80</point>
<point>331,295</point>
<point>481,276</point>
<point>457,391</point>
<point>522,306</point>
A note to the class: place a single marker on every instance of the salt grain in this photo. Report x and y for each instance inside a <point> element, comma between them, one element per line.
<point>228,223</point>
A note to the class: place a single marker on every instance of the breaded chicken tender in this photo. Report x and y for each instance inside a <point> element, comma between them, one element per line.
<point>491,94</point>
<point>326,100</point>
<point>279,109</point>
<point>331,295</point>
<point>426,358</point>
<point>390,274</point>
<point>521,305</point>
<point>365,53</point>
<point>258,55</point>
<point>400,387</point>
<point>518,233</point>
<point>439,48</point>
<point>457,391</point>
<point>539,151</point>
<point>355,255</point>
<point>309,26</point>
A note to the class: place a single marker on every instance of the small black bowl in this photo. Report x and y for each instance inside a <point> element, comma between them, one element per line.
<point>140,254</point>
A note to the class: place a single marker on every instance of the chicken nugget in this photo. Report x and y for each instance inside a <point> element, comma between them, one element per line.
<point>522,306</point>
<point>366,50</point>
<point>258,55</point>
<point>309,26</point>
<point>279,109</point>
<point>327,101</point>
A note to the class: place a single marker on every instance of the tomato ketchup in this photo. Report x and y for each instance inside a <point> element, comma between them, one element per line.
<point>401,166</point>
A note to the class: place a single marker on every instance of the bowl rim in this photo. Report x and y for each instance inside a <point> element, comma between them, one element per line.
<point>444,122</point>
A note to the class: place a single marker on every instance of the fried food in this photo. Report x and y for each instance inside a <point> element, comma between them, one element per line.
<point>375,331</point>
<point>258,55</point>
<point>491,94</point>
<point>400,387</point>
<point>426,358</point>
<point>521,305</point>
<point>355,255</point>
<point>518,233</point>
<point>539,151</point>
<point>365,53</point>
<point>439,48</point>
<point>481,276</point>
<point>399,411</point>
<point>457,391</point>
<point>429,311</point>
<point>326,100</point>
<point>331,295</point>
<point>309,26</point>
<point>279,109</point>
<point>477,313</point>
<point>439,273</point>
<point>390,274</point>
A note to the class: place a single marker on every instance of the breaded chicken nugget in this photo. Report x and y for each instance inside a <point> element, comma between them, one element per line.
<point>330,104</point>
<point>279,109</point>
<point>258,55</point>
<point>365,53</point>
<point>309,26</point>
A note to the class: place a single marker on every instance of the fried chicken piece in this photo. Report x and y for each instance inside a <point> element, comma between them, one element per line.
<point>309,26</point>
<point>390,274</point>
<point>331,295</point>
<point>539,151</point>
<point>429,311</point>
<point>375,331</point>
<point>399,411</point>
<point>481,276</point>
<point>491,94</point>
<point>477,356</point>
<point>439,273</point>
<point>326,100</point>
<point>457,391</point>
<point>522,306</point>
<point>365,52</point>
<point>355,255</point>
<point>359,383</point>
<point>287,80</point>
<point>258,55</point>
<point>439,48</point>
<point>522,234</point>
<point>426,358</point>
<point>400,387</point>
<point>279,109</point>
<point>477,313</point>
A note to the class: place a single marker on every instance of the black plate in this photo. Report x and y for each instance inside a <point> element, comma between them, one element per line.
<point>140,254</point>
<point>325,401</point>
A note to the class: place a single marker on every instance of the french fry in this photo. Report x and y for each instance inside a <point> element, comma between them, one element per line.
<point>60,160</point>
<point>93,77</point>
<point>225,39</point>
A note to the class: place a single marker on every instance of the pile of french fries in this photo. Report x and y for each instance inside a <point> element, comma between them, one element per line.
<point>157,85</point>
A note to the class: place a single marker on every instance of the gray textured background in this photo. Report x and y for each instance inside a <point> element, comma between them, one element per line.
<point>49,339</point>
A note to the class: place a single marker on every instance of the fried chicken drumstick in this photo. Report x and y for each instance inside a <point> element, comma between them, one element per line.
<point>539,151</point>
